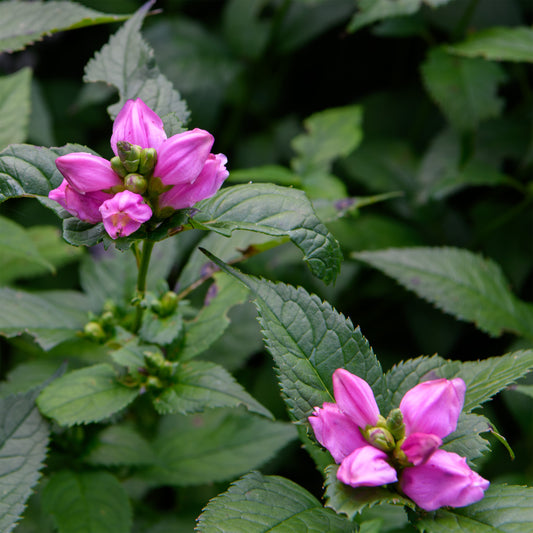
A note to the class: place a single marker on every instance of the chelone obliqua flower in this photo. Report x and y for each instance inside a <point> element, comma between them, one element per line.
<point>404,448</point>
<point>159,174</point>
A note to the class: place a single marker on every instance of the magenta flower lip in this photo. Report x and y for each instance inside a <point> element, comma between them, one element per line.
<point>372,451</point>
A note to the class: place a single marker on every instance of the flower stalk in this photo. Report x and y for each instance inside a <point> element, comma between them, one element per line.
<point>142,273</point>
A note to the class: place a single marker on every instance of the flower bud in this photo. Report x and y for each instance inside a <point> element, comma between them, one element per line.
<point>395,424</point>
<point>147,161</point>
<point>380,438</point>
<point>168,303</point>
<point>118,167</point>
<point>154,360</point>
<point>135,183</point>
<point>94,331</point>
<point>129,155</point>
<point>153,382</point>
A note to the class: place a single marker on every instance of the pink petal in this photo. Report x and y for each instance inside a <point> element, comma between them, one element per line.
<point>355,398</point>
<point>87,172</point>
<point>137,124</point>
<point>181,158</point>
<point>433,406</point>
<point>206,185</point>
<point>83,206</point>
<point>335,431</point>
<point>419,447</point>
<point>366,467</point>
<point>444,480</point>
<point>124,213</point>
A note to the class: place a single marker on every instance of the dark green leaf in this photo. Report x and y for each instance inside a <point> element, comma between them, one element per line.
<point>257,504</point>
<point>465,440</point>
<point>161,330</point>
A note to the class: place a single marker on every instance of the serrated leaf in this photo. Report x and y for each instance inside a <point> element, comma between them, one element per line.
<point>27,376</point>
<point>458,282</point>
<point>48,323</point>
<point>23,444</point>
<point>202,385</point>
<point>87,395</point>
<point>212,320</point>
<point>22,23</point>
<point>465,440</point>
<point>465,89</point>
<point>15,105</point>
<point>127,63</point>
<point>161,330</point>
<point>309,340</point>
<point>350,501</point>
<point>505,509</point>
<point>275,211</point>
<point>498,44</point>
<point>257,504</point>
<point>87,502</point>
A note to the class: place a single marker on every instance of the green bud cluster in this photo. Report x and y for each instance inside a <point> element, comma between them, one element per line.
<point>160,371</point>
<point>102,328</point>
<point>389,435</point>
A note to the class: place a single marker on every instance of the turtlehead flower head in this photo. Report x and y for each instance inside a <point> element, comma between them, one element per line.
<point>124,213</point>
<point>373,451</point>
<point>168,173</point>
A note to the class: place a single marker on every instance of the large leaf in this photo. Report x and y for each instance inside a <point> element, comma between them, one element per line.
<point>48,322</point>
<point>460,283</point>
<point>215,446</point>
<point>275,211</point>
<point>87,502</point>
<point>15,105</point>
<point>87,395</point>
<point>127,63</point>
<point>466,440</point>
<point>464,88</point>
<point>257,504</point>
<point>202,385</point>
<point>22,23</point>
<point>500,44</point>
<point>309,340</point>
<point>504,509</point>
<point>23,442</point>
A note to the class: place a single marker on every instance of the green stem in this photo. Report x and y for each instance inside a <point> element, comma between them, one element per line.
<point>141,280</point>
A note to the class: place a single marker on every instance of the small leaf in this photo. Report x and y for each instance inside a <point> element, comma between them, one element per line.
<point>15,106</point>
<point>88,502</point>
<point>127,63</point>
<point>215,446</point>
<point>350,501</point>
<point>275,211</point>
<point>23,443</point>
<point>161,330</point>
<point>498,44</point>
<point>465,89</point>
<point>505,509</point>
<point>201,385</point>
<point>460,283</point>
<point>22,23</point>
<point>87,395</point>
<point>257,503</point>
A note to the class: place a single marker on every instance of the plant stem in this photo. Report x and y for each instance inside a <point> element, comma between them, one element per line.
<point>141,280</point>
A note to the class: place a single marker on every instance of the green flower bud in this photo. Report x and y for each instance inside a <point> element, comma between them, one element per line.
<point>154,361</point>
<point>118,167</point>
<point>168,303</point>
<point>129,155</point>
<point>380,438</point>
<point>153,382</point>
<point>107,318</point>
<point>147,161</point>
<point>135,183</point>
<point>94,331</point>
<point>395,424</point>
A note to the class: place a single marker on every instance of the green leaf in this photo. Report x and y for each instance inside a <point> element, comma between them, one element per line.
<point>212,320</point>
<point>465,440</point>
<point>127,63</point>
<point>498,44</point>
<point>80,233</point>
<point>266,174</point>
<point>309,340</point>
<point>23,445</point>
<point>350,501</point>
<point>27,376</point>
<point>202,385</point>
<point>458,282</point>
<point>505,509</point>
<point>371,11</point>
<point>257,504</point>
<point>48,323</point>
<point>465,89</point>
<point>87,502</point>
<point>275,211</point>
<point>161,330</point>
<point>22,23</point>
<point>120,445</point>
<point>215,446</point>
<point>15,106</point>
<point>87,395</point>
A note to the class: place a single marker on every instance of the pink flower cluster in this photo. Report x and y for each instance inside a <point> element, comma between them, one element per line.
<point>404,448</point>
<point>150,176</point>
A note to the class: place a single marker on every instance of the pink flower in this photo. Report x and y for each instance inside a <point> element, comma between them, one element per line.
<point>373,451</point>
<point>124,213</point>
<point>169,173</point>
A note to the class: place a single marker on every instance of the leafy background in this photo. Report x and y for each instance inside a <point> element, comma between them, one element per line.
<point>408,125</point>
